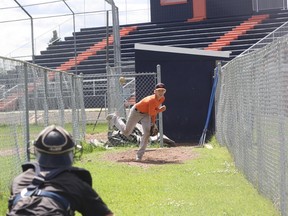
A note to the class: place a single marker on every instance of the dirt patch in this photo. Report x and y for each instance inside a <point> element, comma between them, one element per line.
<point>154,156</point>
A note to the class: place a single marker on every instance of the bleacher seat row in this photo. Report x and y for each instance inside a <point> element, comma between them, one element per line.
<point>228,34</point>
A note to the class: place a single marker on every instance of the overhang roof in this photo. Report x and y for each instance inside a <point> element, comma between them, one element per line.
<point>180,50</point>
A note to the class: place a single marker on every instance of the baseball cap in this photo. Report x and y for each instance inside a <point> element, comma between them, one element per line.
<point>160,86</point>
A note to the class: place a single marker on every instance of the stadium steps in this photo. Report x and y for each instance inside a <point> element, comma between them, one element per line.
<point>66,58</point>
<point>179,34</point>
<point>93,50</point>
<point>68,52</point>
<point>53,57</point>
<point>236,32</point>
<point>11,101</point>
<point>159,35</point>
<point>91,58</point>
<point>62,51</point>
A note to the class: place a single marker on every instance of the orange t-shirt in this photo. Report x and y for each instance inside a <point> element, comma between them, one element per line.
<point>150,105</point>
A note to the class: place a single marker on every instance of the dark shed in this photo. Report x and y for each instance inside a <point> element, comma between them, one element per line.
<point>188,76</point>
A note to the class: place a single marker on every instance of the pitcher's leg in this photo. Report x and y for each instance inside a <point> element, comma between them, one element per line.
<point>133,118</point>
<point>119,124</point>
<point>146,124</point>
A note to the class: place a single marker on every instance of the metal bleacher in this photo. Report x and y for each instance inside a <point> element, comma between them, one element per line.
<point>179,34</point>
<point>256,34</point>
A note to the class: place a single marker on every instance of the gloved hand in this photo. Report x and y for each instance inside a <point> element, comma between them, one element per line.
<point>154,130</point>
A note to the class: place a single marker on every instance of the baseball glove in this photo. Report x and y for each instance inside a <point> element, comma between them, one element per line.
<point>154,130</point>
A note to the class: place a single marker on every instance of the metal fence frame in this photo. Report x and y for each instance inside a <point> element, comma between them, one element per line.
<point>104,93</point>
<point>252,118</point>
<point>33,97</point>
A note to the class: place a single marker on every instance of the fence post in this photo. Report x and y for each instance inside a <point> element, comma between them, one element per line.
<point>160,114</point>
<point>61,99</point>
<point>35,97</point>
<point>73,103</point>
<point>26,107</point>
<point>46,114</point>
<point>80,80</point>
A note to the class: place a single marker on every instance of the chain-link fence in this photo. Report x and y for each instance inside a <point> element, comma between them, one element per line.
<point>115,92</point>
<point>274,35</point>
<point>252,118</point>
<point>122,90</point>
<point>31,98</point>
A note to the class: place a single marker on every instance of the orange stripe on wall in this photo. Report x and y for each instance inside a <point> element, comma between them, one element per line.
<point>172,2</point>
<point>199,11</point>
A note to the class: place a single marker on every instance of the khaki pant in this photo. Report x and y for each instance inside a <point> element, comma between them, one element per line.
<point>133,118</point>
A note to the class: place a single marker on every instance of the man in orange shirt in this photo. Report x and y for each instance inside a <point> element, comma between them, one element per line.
<point>145,111</point>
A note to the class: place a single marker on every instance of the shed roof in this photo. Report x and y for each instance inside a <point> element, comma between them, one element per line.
<point>180,50</point>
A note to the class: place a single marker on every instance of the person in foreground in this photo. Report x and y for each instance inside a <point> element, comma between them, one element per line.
<point>145,111</point>
<point>51,185</point>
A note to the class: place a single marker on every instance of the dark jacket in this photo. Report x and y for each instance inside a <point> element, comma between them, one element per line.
<point>74,184</point>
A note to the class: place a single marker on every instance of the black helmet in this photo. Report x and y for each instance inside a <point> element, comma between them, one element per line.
<point>54,147</point>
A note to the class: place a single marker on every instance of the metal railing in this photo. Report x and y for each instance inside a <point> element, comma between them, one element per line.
<point>260,5</point>
<point>274,35</point>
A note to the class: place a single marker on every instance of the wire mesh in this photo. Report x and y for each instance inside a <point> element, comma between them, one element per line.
<point>252,118</point>
<point>31,98</point>
<point>104,93</point>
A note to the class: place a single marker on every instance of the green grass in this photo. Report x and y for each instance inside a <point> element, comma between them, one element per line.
<point>100,127</point>
<point>5,130</point>
<point>208,185</point>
